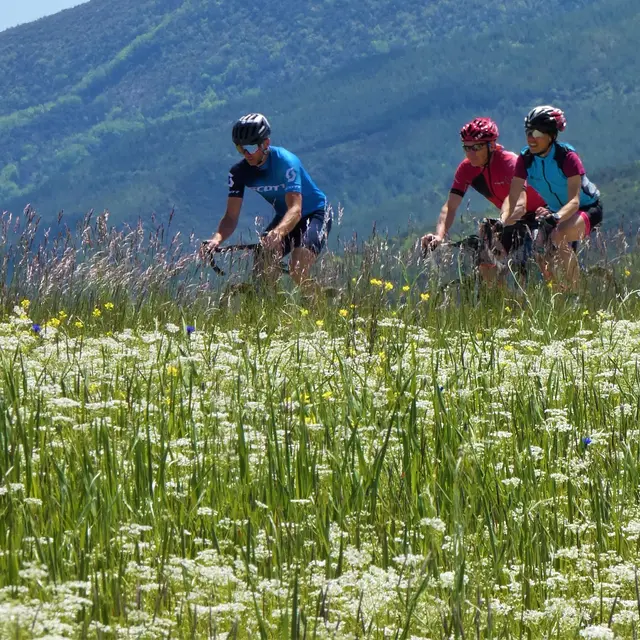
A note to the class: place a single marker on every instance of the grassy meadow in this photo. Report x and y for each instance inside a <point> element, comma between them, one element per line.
<point>398,461</point>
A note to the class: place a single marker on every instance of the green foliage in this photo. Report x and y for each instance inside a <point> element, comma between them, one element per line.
<point>370,97</point>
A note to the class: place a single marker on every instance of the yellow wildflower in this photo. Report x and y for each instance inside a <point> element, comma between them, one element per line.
<point>54,322</point>
<point>108,306</point>
<point>96,313</point>
<point>25,304</point>
<point>304,312</point>
<point>388,286</point>
<point>507,309</point>
<point>375,282</point>
<point>327,394</point>
<point>585,312</point>
<point>508,347</point>
<point>343,312</point>
<point>319,323</point>
<point>78,324</point>
<point>627,273</point>
<point>424,297</point>
<point>406,288</point>
<point>63,315</point>
<point>172,371</point>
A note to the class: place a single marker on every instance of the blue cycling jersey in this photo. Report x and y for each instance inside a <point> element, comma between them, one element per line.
<point>547,176</point>
<point>282,173</point>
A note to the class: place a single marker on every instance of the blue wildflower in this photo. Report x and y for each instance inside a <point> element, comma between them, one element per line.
<point>36,328</point>
<point>586,441</point>
<point>190,329</point>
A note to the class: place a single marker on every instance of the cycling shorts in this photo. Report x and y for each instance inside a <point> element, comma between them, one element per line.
<point>592,216</point>
<point>310,233</point>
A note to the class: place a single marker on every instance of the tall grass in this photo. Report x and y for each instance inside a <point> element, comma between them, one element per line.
<point>400,461</point>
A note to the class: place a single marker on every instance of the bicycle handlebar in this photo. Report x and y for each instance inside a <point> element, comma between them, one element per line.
<point>227,249</point>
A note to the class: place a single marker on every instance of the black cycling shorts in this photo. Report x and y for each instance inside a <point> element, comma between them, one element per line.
<point>592,216</point>
<point>311,232</point>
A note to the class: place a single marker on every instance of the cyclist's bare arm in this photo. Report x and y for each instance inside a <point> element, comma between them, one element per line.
<point>227,225</point>
<point>273,239</point>
<point>515,192</point>
<point>445,221</point>
<point>519,211</point>
<point>293,214</point>
<point>573,204</point>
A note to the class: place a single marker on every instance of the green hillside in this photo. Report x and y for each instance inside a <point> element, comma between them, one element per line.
<point>129,107</point>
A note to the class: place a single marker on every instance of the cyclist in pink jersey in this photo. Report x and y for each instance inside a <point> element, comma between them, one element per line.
<point>489,168</point>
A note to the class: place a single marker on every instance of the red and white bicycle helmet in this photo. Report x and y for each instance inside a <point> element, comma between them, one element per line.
<point>480,130</point>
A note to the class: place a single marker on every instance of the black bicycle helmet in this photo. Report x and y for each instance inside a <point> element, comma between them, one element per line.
<point>253,128</point>
<point>547,119</point>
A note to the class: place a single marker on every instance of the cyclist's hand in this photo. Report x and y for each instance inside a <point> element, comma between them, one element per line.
<point>542,212</point>
<point>430,242</point>
<point>273,240</point>
<point>208,247</point>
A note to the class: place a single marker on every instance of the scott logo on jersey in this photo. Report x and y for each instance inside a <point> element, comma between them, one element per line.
<point>267,188</point>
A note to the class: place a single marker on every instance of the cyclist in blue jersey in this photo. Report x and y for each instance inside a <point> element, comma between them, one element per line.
<point>302,219</point>
<point>555,171</point>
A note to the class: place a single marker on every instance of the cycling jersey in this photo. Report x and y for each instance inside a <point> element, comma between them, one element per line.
<point>493,181</point>
<point>549,175</point>
<point>281,173</point>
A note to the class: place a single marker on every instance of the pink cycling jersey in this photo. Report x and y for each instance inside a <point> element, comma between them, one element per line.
<point>493,181</point>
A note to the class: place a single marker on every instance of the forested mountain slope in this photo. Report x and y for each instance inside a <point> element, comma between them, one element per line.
<point>129,106</point>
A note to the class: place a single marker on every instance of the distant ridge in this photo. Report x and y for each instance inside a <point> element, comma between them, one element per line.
<point>128,105</point>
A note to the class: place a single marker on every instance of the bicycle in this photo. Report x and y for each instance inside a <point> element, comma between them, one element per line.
<point>255,248</point>
<point>496,249</point>
<point>253,285</point>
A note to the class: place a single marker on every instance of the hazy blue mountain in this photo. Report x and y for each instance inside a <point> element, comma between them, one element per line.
<point>128,106</point>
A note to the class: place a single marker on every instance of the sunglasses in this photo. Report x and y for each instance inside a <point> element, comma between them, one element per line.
<point>473,147</point>
<point>249,149</point>
<point>534,133</point>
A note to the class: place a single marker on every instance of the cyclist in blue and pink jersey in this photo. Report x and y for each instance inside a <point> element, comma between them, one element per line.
<point>556,171</point>
<point>489,168</point>
<point>302,220</point>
